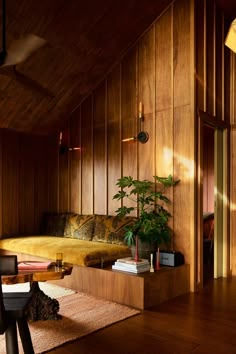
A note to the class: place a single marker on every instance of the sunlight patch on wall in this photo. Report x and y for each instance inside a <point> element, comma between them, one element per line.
<point>168,158</point>
<point>186,166</point>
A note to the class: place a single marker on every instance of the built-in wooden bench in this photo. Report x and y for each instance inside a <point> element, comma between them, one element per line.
<point>90,243</point>
<point>141,291</point>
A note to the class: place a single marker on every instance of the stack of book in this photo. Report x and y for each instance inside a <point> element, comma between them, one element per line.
<point>128,264</point>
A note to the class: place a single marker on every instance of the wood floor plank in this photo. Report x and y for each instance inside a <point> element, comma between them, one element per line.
<point>199,323</point>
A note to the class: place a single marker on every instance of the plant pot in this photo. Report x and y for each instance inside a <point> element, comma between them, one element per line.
<point>144,249</point>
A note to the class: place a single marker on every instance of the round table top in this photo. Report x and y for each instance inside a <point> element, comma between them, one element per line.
<point>35,275</point>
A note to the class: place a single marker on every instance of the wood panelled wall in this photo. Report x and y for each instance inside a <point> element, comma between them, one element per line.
<point>179,66</point>
<point>25,182</point>
<point>170,66</point>
<point>213,96</point>
<point>158,71</point>
<point>213,86</point>
<point>233,163</point>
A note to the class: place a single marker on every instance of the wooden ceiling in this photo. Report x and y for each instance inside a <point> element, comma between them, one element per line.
<point>85,38</point>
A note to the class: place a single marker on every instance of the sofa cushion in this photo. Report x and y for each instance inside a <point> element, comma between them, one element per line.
<point>53,224</point>
<point>111,229</point>
<point>77,252</point>
<point>79,226</point>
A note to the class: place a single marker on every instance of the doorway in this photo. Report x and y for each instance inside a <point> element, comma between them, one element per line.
<point>213,243</point>
<point>208,215</point>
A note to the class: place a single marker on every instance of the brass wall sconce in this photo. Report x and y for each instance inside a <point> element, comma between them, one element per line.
<point>63,148</point>
<point>142,136</point>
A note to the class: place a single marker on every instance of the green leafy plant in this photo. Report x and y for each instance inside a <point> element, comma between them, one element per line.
<point>149,200</point>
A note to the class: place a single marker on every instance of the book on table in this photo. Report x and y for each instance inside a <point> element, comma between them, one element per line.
<point>131,269</point>
<point>31,265</point>
<point>131,260</point>
<point>130,265</point>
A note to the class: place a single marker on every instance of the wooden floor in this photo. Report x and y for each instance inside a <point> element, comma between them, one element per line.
<point>200,323</point>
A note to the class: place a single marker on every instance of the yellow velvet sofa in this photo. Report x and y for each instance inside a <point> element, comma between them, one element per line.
<point>84,240</point>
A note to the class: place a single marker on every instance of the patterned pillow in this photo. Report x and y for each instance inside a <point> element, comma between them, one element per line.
<point>111,229</point>
<point>53,224</point>
<point>79,226</point>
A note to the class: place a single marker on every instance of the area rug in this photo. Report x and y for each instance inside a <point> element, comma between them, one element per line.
<point>49,289</point>
<point>82,314</point>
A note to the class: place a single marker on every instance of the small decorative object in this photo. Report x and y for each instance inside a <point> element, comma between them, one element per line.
<point>158,259</point>
<point>59,259</point>
<point>151,265</point>
<point>151,225</point>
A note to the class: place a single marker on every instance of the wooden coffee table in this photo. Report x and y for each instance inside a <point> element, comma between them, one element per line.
<point>41,306</point>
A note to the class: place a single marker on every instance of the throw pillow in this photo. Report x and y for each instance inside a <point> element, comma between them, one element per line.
<point>111,229</point>
<point>80,227</point>
<point>53,224</point>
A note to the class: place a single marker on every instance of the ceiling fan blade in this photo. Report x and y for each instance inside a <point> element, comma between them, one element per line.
<point>29,83</point>
<point>20,50</point>
<point>23,48</point>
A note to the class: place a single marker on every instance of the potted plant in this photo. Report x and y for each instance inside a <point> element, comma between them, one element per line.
<point>149,201</point>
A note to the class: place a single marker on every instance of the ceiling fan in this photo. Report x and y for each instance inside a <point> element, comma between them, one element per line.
<point>19,51</point>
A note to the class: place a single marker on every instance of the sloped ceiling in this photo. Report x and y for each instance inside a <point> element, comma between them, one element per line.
<point>85,38</point>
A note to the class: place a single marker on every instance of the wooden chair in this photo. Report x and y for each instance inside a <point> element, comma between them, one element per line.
<point>13,311</point>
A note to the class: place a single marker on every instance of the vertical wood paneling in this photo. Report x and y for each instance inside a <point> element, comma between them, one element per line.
<point>40,179</point>
<point>184,169</point>
<point>129,113</point>
<point>164,100</point>
<point>87,156</point>
<point>210,40</point>
<point>164,94</point>
<point>75,163</point>
<point>64,174</point>
<point>164,151</point>
<point>52,174</point>
<point>228,100</point>
<point>146,82</point>
<point>100,150</point>
<point>233,90</point>
<point>26,185</point>
<point>1,167</point>
<point>181,41</point>
<point>219,67</point>
<point>25,181</point>
<point>201,54</point>
<point>10,183</point>
<point>164,61</point>
<point>233,202</point>
<point>113,137</point>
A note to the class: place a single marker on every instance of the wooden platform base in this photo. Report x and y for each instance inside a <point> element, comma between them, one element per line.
<point>141,291</point>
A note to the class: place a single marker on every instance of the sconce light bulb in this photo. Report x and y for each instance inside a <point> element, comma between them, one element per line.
<point>74,148</point>
<point>140,110</point>
<point>129,139</point>
<point>60,138</point>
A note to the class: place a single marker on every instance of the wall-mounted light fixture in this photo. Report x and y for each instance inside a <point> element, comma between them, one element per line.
<point>142,136</point>
<point>230,40</point>
<point>63,148</point>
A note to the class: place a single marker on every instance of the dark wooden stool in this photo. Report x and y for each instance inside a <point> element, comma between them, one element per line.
<point>13,311</point>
